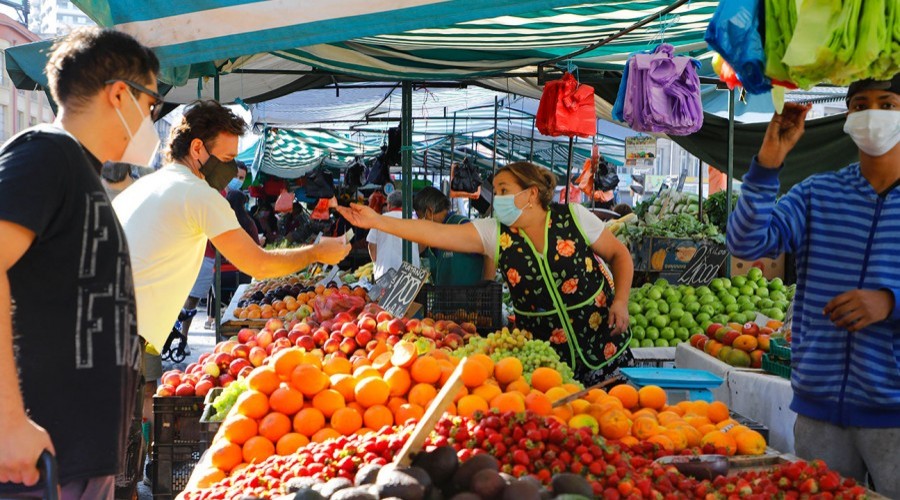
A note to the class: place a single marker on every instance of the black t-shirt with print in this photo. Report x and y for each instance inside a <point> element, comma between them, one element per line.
<point>74,320</point>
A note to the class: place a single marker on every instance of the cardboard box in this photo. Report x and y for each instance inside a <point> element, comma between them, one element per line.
<point>771,268</point>
<point>668,256</point>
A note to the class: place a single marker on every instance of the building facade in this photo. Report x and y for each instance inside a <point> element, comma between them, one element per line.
<point>19,109</point>
<point>51,18</point>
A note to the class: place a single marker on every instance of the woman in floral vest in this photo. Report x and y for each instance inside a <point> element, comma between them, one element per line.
<point>550,256</point>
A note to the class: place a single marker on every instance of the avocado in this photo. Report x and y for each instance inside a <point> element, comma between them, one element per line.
<point>440,464</point>
<point>299,483</point>
<point>398,482</point>
<point>522,490</point>
<point>367,474</point>
<point>308,494</point>
<point>487,484</point>
<point>356,493</point>
<point>334,485</point>
<point>571,483</point>
<point>468,469</point>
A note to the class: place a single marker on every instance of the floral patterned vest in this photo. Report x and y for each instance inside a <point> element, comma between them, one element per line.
<point>561,295</point>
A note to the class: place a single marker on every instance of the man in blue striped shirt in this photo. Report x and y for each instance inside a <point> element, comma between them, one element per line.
<point>844,229</point>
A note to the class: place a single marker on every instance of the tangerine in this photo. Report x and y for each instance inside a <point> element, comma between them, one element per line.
<point>285,360</point>
<point>378,416</point>
<point>426,370</point>
<point>328,402</point>
<point>469,405</point>
<point>652,396</point>
<point>717,411</point>
<point>508,370</point>
<point>487,392</point>
<point>225,455</point>
<point>290,442</point>
<point>544,379</point>
<point>421,395</point>
<point>614,424</point>
<point>274,425</point>
<point>485,361</point>
<point>398,380</point>
<point>238,429</point>
<point>257,449</point>
<point>286,400</point>
<point>519,385</point>
<point>509,401</point>
<point>372,391</point>
<point>538,403</point>
<point>627,394</point>
<point>309,421</point>
<point>324,435</point>
<point>344,384</point>
<point>474,373</point>
<point>309,380</point>
<point>263,379</point>
<point>346,421</point>
<point>253,404</point>
<point>407,412</point>
<point>336,365</point>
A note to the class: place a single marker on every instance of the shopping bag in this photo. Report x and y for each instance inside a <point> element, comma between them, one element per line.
<point>607,179</point>
<point>319,184</point>
<point>567,108</point>
<point>465,181</point>
<point>663,93</point>
<point>285,202</point>
<point>734,32</point>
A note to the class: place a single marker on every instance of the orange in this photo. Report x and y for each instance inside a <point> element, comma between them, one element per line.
<point>692,435</point>
<point>336,365</point>
<point>726,423</point>
<point>286,400</point>
<point>538,403</point>
<point>377,417</point>
<point>358,362</point>
<point>225,455</point>
<point>285,360</point>
<point>678,438</point>
<point>263,379</point>
<point>470,404</point>
<point>508,370</point>
<point>544,379</point>
<point>737,429</point>
<point>627,394</point>
<point>405,353</point>
<point>487,392</point>
<point>595,395</point>
<point>510,401</point>
<point>238,429</point>
<point>750,442</point>
<point>366,372</point>
<point>706,429</point>
<point>644,428</point>
<point>697,422</point>
<point>253,404</point>
<point>519,385</point>
<point>362,431</point>
<point>372,391</point>
<point>356,406</point>
<point>309,421</point>
<point>580,406</point>
<point>572,388</point>
<point>394,403</point>
<point>257,449</point>
<point>426,370</point>
<point>407,412</point>
<point>474,373</point>
<point>723,443</point>
<point>290,442</point>
<point>344,384</point>
<point>346,421</point>
<point>447,368</point>
<point>699,408</point>
<point>421,394</point>
<point>614,424</point>
<point>717,412</point>
<point>563,412</point>
<point>325,434</point>
<point>398,380</point>
<point>665,417</point>
<point>274,425</point>
<point>382,361</point>
<point>555,393</point>
<point>652,396</point>
<point>309,380</point>
<point>211,477</point>
<point>629,441</point>
<point>485,361</point>
<point>313,359</point>
<point>328,402</point>
<point>662,441</point>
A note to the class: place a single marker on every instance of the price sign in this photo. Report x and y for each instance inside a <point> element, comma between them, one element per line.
<point>331,277</point>
<point>404,289</point>
<point>382,284</point>
<point>704,266</point>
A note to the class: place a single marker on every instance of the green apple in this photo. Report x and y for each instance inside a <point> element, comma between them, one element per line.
<point>646,343</point>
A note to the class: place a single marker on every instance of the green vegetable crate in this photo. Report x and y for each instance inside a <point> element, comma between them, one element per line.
<point>776,367</point>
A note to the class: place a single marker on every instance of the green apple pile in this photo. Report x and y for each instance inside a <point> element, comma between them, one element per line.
<point>664,315</point>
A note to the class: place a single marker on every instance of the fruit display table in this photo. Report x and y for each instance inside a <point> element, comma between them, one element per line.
<point>755,394</point>
<point>661,357</point>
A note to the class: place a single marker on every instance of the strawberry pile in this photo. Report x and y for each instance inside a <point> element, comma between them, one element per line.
<point>526,444</point>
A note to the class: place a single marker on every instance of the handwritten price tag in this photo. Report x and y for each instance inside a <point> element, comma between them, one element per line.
<point>404,289</point>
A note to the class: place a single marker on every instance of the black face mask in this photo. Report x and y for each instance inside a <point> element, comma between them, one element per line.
<point>218,173</point>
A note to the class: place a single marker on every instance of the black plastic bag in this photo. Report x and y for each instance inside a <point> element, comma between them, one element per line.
<point>319,184</point>
<point>465,178</point>
<point>606,178</point>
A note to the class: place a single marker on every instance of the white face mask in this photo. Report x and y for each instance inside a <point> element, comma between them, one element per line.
<point>143,144</point>
<point>875,131</point>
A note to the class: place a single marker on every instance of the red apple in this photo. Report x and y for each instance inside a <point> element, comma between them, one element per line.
<point>363,337</point>
<point>184,390</point>
<point>320,336</point>
<point>227,346</point>
<point>414,325</point>
<point>225,379</point>
<point>235,367</point>
<point>257,356</point>
<point>331,346</point>
<point>750,329</point>
<point>729,337</point>
<point>304,328</point>
<point>264,338</point>
<point>203,387</point>
<point>336,336</point>
<point>274,324</point>
<point>381,335</point>
<point>306,342</point>
<point>349,330</point>
<point>383,316</point>
<point>430,333</point>
<point>395,327</point>
<point>452,340</point>
<point>371,345</point>
<point>712,329</point>
<point>392,340</point>
<point>348,345</point>
<point>212,369</point>
<point>223,360</point>
<point>245,371</point>
<point>240,351</point>
<point>269,349</point>
<point>282,343</point>
<point>203,357</point>
<point>245,334</point>
<point>327,325</point>
<point>165,390</point>
<point>172,378</point>
<point>367,323</point>
<point>281,333</point>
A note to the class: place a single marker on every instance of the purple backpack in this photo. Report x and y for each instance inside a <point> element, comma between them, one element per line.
<point>663,93</point>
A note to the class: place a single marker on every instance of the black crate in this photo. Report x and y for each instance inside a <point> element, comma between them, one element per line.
<point>481,305</point>
<point>176,419</point>
<point>208,427</point>
<point>172,466</point>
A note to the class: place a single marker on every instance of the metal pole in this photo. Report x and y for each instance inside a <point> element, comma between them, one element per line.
<point>700,189</point>
<point>531,148</point>
<point>406,160</point>
<point>453,141</point>
<point>569,166</point>
<point>494,158</point>
<point>730,167</point>
<point>217,280</point>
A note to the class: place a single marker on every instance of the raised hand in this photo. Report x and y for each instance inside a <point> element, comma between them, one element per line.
<point>331,250</point>
<point>782,134</point>
<point>359,215</point>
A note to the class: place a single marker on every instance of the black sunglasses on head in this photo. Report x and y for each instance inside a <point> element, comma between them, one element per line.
<point>155,107</point>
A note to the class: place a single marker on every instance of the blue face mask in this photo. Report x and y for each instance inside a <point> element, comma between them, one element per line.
<point>505,209</point>
<point>235,184</point>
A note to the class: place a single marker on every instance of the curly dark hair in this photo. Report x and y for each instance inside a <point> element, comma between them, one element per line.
<point>82,62</point>
<point>203,120</point>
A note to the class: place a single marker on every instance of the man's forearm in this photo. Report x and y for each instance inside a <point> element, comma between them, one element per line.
<point>11,404</point>
<point>279,263</point>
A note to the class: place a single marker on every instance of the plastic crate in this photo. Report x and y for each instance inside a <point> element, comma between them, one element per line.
<point>172,467</point>
<point>773,366</point>
<point>176,419</point>
<point>751,424</point>
<point>481,305</point>
<point>208,427</point>
<point>780,348</point>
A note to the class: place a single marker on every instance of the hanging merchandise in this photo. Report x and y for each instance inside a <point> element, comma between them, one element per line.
<point>575,194</point>
<point>663,93</point>
<point>725,72</point>
<point>567,108</point>
<point>321,211</point>
<point>606,179</point>
<point>285,202</point>
<point>821,41</point>
<point>465,181</point>
<point>734,32</point>
<point>319,184</point>
<point>273,186</point>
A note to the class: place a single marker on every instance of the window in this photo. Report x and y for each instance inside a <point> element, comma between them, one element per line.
<point>2,122</point>
<point>34,96</point>
<point>20,124</point>
<point>32,122</point>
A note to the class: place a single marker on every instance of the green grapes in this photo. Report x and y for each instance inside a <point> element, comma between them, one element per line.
<point>226,400</point>
<point>518,344</point>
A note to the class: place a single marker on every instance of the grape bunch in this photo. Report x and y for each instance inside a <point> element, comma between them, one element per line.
<point>226,400</point>
<point>519,344</point>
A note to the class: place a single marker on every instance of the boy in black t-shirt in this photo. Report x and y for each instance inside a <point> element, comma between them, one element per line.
<point>69,351</point>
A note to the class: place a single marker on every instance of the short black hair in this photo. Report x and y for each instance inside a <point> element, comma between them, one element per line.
<point>622,209</point>
<point>83,61</point>
<point>430,198</point>
<point>203,120</point>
